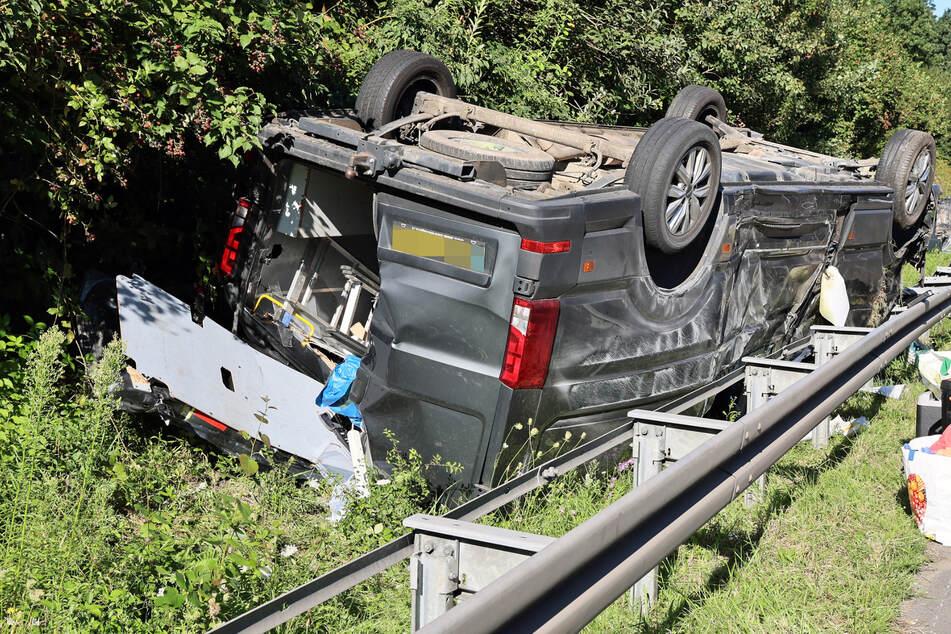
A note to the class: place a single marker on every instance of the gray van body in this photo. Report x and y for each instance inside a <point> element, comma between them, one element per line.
<point>636,327</point>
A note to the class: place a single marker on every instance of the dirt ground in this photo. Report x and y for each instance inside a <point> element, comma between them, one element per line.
<point>930,609</point>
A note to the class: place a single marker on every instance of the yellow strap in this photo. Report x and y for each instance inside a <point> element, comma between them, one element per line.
<point>293,314</point>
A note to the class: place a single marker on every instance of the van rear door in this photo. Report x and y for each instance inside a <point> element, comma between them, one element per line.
<point>439,333</point>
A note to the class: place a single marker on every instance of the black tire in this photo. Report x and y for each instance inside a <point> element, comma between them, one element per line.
<point>468,146</point>
<point>391,85</point>
<point>653,174</point>
<point>907,166</point>
<point>695,102</point>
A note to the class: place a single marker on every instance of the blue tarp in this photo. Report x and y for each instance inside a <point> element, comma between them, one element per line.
<point>336,394</point>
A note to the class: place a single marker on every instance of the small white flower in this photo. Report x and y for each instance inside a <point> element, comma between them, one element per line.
<point>289,550</point>
<point>534,431</point>
<point>518,425</point>
<point>505,445</point>
<point>567,436</point>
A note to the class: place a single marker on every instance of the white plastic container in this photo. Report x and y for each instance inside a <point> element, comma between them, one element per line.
<point>833,298</point>
<point>929,488</point>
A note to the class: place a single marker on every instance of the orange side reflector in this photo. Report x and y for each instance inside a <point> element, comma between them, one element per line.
<point>588,266</point>
<point>726,248</point>
<point>851,235</point>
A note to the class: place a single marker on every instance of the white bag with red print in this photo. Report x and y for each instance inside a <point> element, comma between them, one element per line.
<point>929,488</point>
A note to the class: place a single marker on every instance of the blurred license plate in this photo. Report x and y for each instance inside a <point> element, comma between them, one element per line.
<point>462,252</point>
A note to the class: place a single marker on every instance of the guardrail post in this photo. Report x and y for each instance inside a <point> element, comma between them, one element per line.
<point>757,389</point>
<point>433,577</point>
<point>453,559</point>
<point>828,341</point>
<point>766,378</point>
<point>649,451</point>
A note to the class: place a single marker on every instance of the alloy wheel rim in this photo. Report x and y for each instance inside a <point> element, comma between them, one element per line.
<point>917,181</point>
<point>688,191</point>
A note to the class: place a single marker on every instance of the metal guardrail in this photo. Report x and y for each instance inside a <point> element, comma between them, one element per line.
<point>561,587</point>
<point>305,597</point>
<point>568,583</point>
<point>281,609</point>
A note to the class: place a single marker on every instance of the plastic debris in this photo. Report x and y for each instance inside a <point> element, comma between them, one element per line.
<point>942,446</point>
<point>338,498</point>
<point>336,393</point>
<point>847,428</point>
<point>929,488</point>
<point>355,440</point>
<point>833,298</point>
<point>934,367</point>
<point>888,391</point>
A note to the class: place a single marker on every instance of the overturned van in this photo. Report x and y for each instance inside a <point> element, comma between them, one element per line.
<point>506,280</point>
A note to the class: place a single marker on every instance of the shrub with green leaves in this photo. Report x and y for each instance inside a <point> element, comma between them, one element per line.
<point>88,85</point>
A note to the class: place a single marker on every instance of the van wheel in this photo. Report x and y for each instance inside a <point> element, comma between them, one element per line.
<point>389,89</point>
<point>907,166</point>
<point>695,102</point>
<point>675,170</point>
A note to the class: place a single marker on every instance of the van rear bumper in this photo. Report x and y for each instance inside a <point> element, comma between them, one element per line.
<point>447,413</point>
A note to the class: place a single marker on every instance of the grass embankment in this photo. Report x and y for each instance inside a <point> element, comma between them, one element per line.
<point>830,547</point>
<point>115,524</point>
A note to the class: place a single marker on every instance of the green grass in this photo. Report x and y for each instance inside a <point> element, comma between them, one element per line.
<point>933,259</point>
<point>943,174</point>
<point>831,546</point>
<point>115,524</point>
<point>109,523</point>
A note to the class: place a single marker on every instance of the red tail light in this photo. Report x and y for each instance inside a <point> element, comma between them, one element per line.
<point>233,242</point>
<point>546,247</point>
<point>528,350</point>
<point>230,254</point>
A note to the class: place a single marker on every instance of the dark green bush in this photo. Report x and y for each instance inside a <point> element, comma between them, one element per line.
<point>123,120</point>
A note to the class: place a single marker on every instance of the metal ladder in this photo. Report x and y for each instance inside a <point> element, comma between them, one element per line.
<point>344,316</point>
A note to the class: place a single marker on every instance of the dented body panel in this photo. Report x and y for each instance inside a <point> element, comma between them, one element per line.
<point>623,340</point>
<point>231,385</point>
<point>329,269</point>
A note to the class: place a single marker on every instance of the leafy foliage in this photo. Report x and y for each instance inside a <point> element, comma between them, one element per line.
<point>91,82</point>
<point>836,75</point>
<point>125,119</point>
